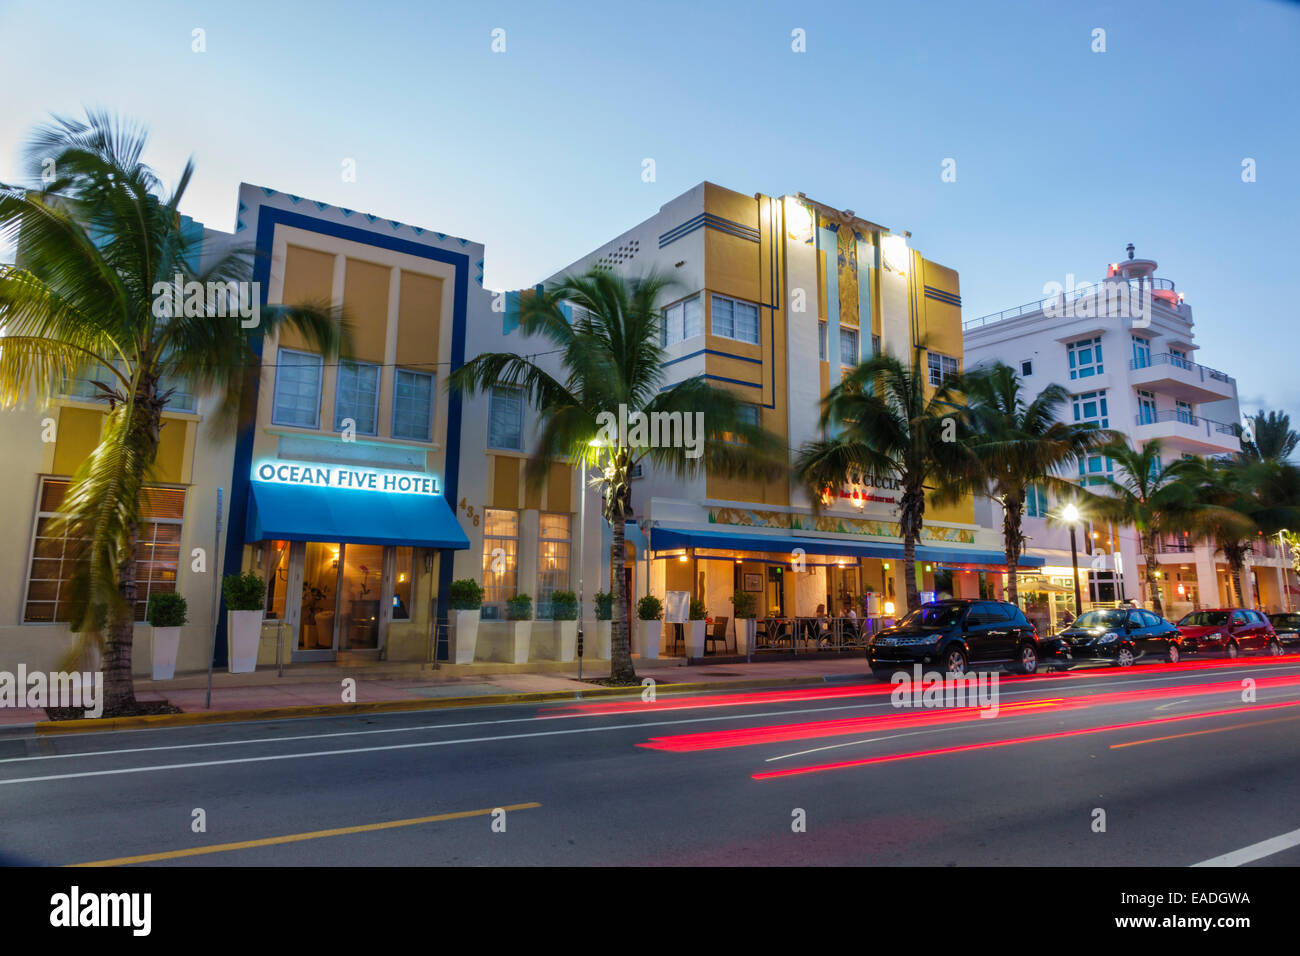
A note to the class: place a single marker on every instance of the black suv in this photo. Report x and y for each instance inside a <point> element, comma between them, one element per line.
<point>957,635</point>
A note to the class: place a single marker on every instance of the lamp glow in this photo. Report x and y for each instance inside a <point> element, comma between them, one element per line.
<point>1070,513</point>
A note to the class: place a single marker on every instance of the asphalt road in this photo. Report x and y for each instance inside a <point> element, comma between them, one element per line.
<point>1173,761</point>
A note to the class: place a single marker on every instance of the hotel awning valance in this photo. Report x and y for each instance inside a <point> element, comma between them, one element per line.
<point>667,539</point>
<point>286,512</point>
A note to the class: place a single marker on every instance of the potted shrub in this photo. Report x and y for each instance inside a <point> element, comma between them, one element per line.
<point>519,610</point>
<point>604,632</point>
<point>245,596</point>
<point>564,611</point>
<point>466,599</point>
<point>167,613</point>
<point>745,604</point>
<point>697,629</point>
<point>649,627</point>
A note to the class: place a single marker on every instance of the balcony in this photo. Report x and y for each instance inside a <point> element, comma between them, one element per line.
<point>1182,378</point>
<point>1183,431</point>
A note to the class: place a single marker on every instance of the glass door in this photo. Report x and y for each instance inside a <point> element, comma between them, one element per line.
<point>317,634</point>
<point>361,592</point>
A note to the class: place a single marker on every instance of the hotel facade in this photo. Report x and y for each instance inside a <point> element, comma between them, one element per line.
<point>359,488</point>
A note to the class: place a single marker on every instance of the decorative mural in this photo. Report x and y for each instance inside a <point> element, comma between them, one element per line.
<point>832,524</point>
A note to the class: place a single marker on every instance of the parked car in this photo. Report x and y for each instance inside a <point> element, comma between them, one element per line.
<point>955,636</point>
<point>1231,630</point>
<point>1286,627</point>
<point>1121,635</point>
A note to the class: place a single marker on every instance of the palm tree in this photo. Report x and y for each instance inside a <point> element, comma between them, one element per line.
<point>96,245</point>
<point>1274,440</point>
<point>885,422</point>
<point>1017,445</point>
<point>611,358</point>
<point>1151,497</point>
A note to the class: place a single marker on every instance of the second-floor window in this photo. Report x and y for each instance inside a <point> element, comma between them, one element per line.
<point>357,397</point>
<point>1085,358</point>
<point>681,321</point>
<point>506,418</point>
<point>1146,408</point>
<point>1035,502</point>
<point>734,319</point>
<point>821,341</point>
<point>1141,352</point>
<point>848,347</point>
<point>1184,412</point>
<point>413,405</point>
<point>942,368</point>
<point>1090,409</point>
<point>297,389</point>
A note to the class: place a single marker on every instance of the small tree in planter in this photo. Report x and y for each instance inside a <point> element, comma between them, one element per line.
<point>466,600</point>
<point>167,612</point>
<point>649,629</point>
<point>745,604</point>
<point>604,624</point>
<point>564,611</point>
<point>245,596</point>
<point>519,610</point>
<point>697,628</point>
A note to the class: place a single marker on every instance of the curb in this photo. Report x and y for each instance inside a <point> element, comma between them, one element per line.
<point>99,724</point>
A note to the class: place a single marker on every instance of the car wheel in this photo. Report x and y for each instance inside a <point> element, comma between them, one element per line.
<point>1274,649</point>
<point>1028,660</point>
<point>1124,657</point>
<point>1172,653</point>
<point>1232,650</point>
<point>954,660</point>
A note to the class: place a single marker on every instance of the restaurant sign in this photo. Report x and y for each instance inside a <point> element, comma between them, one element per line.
<point>346,477</point>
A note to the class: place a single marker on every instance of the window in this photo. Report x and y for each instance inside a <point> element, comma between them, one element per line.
<point>413,405</point>
<point>1146,408</point>
<point>357,397</point>
<point>157,555</point>
<point>682,321</point>
<point>1141,351</point>
<point>402,561</point>
<point>1090,409</point>
<point>734,319</point>
<point>821,341</point>
<point>1085,358</point>
<point>942,368</point>
<point>749,414</point>
<point>1026,369</point>
<point>875,345</point>
<point>1035,502</point>
<point>1178,358</point>
<point>552,560</point>
<point>506,418</point>
<point>848,347</point>
<point>297,389</point>
<point>1184,413</point>
<point>500,561</point>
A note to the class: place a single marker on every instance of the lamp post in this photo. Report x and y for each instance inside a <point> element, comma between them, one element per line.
<point>1281,570</point>
<point>1071,516</point>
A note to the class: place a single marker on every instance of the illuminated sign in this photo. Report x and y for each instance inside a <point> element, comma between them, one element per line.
<point>346,477</point>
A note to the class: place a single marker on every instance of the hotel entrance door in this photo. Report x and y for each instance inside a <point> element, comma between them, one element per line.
<point>331,596</point>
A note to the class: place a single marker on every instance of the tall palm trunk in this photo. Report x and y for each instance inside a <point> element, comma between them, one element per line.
<point>1236,557</point>
<point>912,514</point>
<point>620,648</point>
<point>1149,572</point>
<point>1013,542</point>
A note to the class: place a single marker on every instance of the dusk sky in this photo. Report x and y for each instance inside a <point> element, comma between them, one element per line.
<point>1063,155</point>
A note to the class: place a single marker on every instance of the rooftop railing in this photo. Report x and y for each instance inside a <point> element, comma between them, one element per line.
<point>1061,300</point>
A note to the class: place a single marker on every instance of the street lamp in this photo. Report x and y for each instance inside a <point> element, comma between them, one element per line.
<point>582,538</point>
<point>1070,514</point>
<point>1281,569</point>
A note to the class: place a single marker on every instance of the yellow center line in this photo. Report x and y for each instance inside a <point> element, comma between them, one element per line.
<point>1197,733</point>
<point>298,837</point>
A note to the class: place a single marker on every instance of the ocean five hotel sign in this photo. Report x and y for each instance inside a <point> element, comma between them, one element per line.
<point>346,477</point>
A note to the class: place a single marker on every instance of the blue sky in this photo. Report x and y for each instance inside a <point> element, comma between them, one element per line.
<point>1063,155</point>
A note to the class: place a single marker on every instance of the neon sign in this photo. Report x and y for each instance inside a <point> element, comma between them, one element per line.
<point>346,477</point>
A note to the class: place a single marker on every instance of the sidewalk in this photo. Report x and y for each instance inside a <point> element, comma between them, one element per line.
<point>322,685</point>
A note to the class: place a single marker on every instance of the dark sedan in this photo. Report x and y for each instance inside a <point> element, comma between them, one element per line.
<point>1287,628</point>
<point>1122,636</point>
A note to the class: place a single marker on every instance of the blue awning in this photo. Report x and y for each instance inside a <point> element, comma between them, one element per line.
<point>284,512</point>
<point>667,539</point>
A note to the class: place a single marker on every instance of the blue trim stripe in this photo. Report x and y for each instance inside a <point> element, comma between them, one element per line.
<point>737,229</point>
<point>932,293</point>
<point>683,358</point>
<point>268,218</point>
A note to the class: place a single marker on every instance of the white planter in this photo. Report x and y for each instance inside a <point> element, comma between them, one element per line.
<point>243,634</point>
<point>521,637</point>
<point>647,639</point>
<point>464,639</point>
<point>695,632</point>
<point>568,640</point>
<point>744,636</point>
<point>166,641</point>
<point>604,638</point>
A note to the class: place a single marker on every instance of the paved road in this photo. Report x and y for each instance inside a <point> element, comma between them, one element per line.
<point>1182,767</point>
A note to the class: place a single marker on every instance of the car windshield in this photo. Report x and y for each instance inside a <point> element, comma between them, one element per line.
<point>933,615</point>
<point>1101,619</point>
<point>1285,620</point>
<point>1204,619</point>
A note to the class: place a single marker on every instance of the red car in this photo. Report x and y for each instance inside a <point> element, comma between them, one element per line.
<point>1232,631</point>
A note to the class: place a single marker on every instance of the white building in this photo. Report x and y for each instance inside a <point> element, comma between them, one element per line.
<point>1124,347</point>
